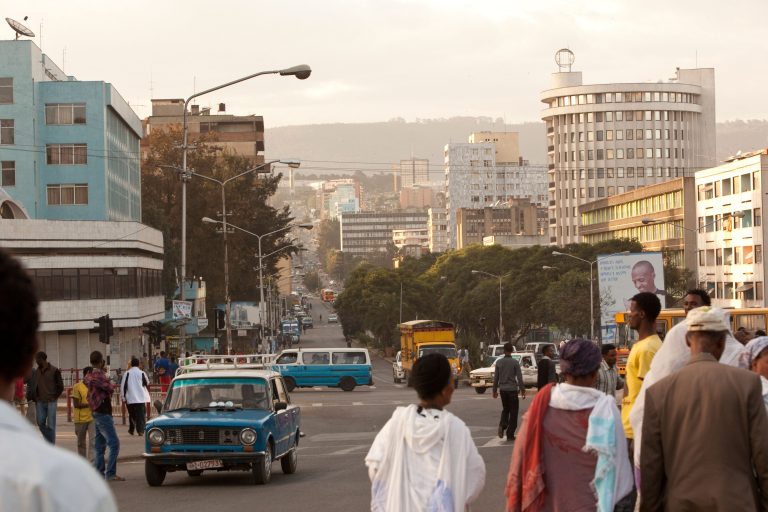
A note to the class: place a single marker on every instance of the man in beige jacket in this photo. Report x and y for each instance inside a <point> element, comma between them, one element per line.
<point>704,441</point>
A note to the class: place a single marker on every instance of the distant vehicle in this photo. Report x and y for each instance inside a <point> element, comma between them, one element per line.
<point>221,420</point>
<point>498,350</point>
<point>291,328</point>
<point>398,374</point>
<point>333,318</point>
<point>343,368</point>
<point>307,322</point>
<point>538,349</point>
<point>482,378</point>
<point>327,295</point>
<point>421,337</point>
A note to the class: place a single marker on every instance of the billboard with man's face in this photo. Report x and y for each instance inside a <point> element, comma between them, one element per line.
<point>620,277</point>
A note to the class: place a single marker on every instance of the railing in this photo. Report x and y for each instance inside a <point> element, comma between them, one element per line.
<point>119,410</point>
<point>225,362</point>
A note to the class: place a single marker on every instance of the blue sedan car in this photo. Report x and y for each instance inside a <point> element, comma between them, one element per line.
<point>220,420</point>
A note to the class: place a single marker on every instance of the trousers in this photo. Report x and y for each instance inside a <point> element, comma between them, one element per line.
<point>83,430</point>
<point>510,408</point>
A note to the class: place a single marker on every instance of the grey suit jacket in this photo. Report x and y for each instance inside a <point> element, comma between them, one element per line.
<point>705,441</point>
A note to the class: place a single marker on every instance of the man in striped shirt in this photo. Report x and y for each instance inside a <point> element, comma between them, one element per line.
<point>608,379</point>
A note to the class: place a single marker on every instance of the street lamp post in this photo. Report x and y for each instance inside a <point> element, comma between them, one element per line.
<point>262,313</point>
<point>501,322</point>
<point>222,184</point>
<point>301,72</point>
<point>591,286</point>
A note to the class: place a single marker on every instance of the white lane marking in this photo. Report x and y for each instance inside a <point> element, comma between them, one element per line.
<point>317,405</point>
<point>357,403</point>
<point>347,451</point>
<point>343,436</point>
<point>495,442</point>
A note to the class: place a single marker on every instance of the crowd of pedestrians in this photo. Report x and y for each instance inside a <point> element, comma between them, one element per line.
<point>689,435</point>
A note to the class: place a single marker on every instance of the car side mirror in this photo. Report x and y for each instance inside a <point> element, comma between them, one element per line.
<point>281,406</point>
<point>158,406</point>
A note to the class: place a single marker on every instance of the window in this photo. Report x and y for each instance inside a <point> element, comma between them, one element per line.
<point>609,116</point>
<point>639,134</point>
<point>66,154</point>
<point>746,183</point>
<point>727,187</point>
<point>598,117</point>
<point>6,131</point>
<point>619,134</point>
<point>630,134</point>
<point>68,194</point>
<point>599,135</point>
<point>600,191</point>
<point>629,115</point>
<point>609,135</point>
<point>609,154</point>
<point>619,153</point>
<point>6,90</point>
<point>610,172</point>
<point>590,136</point>
<point>757,219</point>
<point>316,358</point>
<point>65,113</point>
<point>8,176</point>
<point>619,115</point>
<point>630,152</point>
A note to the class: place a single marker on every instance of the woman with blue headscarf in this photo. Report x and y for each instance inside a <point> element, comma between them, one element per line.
<point>755,358</point>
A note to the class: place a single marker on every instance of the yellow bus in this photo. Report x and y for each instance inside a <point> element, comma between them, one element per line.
<point>749,318</point>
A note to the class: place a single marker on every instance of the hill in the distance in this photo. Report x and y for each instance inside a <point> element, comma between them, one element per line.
<point>376,146</point>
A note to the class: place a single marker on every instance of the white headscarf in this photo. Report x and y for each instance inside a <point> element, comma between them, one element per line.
<point>752,350</point>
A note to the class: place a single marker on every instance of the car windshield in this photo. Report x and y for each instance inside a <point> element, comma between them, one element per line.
<point>447,351</point>
<point>218,393</point>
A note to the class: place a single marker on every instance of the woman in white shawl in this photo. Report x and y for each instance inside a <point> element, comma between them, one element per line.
<point>424,458</point>
<point>755,358</point>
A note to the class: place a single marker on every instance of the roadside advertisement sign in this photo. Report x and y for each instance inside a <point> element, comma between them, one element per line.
<point>182,309</point>
<point>622,276</point>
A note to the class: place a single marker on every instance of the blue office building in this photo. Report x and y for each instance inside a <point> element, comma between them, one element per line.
<point>69,150</point>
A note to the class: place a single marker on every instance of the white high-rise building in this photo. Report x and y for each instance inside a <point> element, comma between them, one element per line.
<point>438,229</point>
<point>606,139</point>
<point>475,179</point>
<point>413,172</point>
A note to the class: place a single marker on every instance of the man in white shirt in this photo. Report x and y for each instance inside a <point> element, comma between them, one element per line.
<point>35,476</point>
<point>132,390</point>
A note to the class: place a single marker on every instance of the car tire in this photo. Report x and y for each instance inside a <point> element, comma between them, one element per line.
<point>290,461</point>
<point>195,472</point>
<point>347,383</point>
<point>155,474</point>
<point>480,391</point>
<point>262,468</point>
<point>290,384</point>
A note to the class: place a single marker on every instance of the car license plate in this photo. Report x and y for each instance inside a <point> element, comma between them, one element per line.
<point>205,464</point>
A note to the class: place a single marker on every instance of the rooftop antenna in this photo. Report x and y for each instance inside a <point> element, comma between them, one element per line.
<point>20,29</point>
<point>564,59</point>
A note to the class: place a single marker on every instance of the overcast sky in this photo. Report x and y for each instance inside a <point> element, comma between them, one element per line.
<point>379,59</point>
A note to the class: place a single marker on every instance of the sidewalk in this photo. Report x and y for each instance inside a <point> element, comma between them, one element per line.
<point>131,447</point>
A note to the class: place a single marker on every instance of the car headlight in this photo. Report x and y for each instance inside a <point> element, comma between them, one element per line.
<point>156,436</point>
<point>248,436</point>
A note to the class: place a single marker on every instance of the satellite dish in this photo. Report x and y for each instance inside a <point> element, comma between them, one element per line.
<point>20,29</point>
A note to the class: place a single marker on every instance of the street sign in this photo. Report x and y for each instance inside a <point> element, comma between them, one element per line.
<point>242,332</point>
<point>182,309</point>
<point>202,323</point>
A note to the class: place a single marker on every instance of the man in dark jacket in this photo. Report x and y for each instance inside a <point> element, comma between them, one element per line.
<point>508,381</point>
<point>546,371</point>
<point>48,387</point>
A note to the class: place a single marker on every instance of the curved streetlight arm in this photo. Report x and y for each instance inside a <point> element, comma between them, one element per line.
<point>556,253</point>
<point>486,273</point>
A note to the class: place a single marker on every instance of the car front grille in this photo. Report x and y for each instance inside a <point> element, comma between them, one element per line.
<point>202,436</point>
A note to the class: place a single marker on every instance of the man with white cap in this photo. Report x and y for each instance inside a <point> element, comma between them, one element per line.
<point>703,442</point>
<point>673,355</point>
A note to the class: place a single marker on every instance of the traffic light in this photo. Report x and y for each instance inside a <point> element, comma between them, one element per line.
<point>104,328</point>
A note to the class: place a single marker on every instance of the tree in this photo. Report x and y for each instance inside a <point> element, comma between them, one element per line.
<point>312,281</point>
<point>247,203</point>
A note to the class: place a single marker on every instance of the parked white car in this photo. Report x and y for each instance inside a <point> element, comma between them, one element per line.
<point>482,378</point>
<point>398,375</point>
